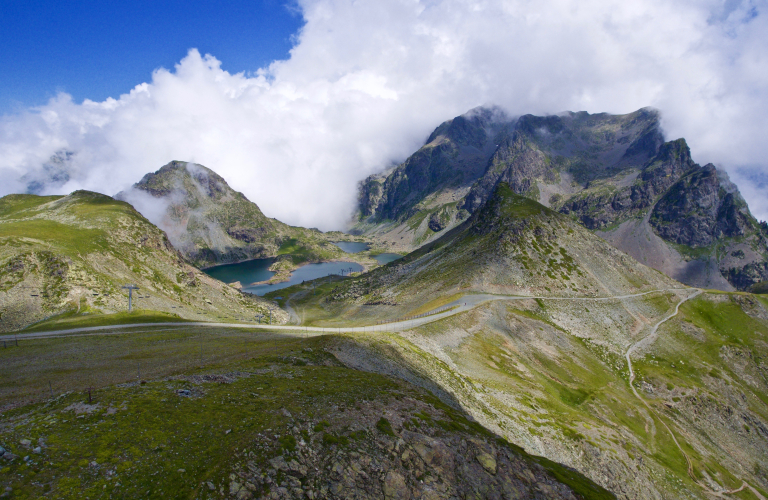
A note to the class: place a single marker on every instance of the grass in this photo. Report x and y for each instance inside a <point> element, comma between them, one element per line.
<point>159,444</point>
<point>13,204</point>
<point>575,384</point>
<point>292,247</point>
<point>74,362</point>
<point>72,319</point>
<point>171,436</point>
<point>434,304</point>
<point>67,237</point>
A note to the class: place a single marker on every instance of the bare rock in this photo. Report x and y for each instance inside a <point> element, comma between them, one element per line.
<point>395,487</point>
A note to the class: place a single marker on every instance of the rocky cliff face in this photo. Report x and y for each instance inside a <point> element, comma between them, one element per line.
<point>699,209</point>
<point>453,156</point>
<point>613,173</point>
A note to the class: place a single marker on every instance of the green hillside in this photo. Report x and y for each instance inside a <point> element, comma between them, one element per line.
<point>65,258</point>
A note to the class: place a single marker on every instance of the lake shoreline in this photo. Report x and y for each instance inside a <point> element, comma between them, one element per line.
<point>274,281</point>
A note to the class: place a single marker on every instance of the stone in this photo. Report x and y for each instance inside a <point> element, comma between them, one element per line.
<point>210,485</point>
<point>37,449</point>
<point>434,453</point>
<point>244,494</point>
<point>297,468</point>
<point>234,487</point>
<point>487,461</point>
<point>286,413</point>
<point>279,463</point>
<point>25,443</point>
<point>337,488</point>
<point>395,487</point>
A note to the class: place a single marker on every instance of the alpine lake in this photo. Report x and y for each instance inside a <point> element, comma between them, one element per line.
<point>251,273</point>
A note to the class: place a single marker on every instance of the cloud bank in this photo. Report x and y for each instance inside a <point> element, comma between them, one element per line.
<point>367,81</point>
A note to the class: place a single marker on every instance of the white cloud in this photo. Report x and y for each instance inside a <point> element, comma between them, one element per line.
<point>368,80</point>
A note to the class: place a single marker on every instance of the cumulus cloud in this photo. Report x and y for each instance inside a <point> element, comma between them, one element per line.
<point>367,81</point>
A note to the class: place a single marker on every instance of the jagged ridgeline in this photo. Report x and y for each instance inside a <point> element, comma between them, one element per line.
<point>613,173</point>
<point>512,245</point>
<point>211,223</point>
<point>71,254</point>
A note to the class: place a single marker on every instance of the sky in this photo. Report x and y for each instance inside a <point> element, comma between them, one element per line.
<point>295,103</point>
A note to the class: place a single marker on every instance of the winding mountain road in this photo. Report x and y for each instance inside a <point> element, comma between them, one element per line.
<point>458,306</point>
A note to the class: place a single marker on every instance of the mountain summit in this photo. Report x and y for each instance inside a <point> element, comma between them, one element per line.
<point>204,218</point>
<point>210,223</point>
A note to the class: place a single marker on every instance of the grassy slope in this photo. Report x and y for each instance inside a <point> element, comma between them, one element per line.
<point>550,376</point>
<point>266,397</point>
<point>73,253</point>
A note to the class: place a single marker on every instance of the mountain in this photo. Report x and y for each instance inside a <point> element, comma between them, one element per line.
<point>210,223</point>
<point>204,218</point>
<point>613,173</point>
<point>542,353</point>
<point>419,198</point>
<point>512,245</point>
<point>72,254</point>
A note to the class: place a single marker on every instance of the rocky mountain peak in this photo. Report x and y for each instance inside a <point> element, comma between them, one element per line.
<point>207,220</point>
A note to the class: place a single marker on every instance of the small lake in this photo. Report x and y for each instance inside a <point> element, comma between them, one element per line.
<point>246,272</point>
<point>352,246</point>
<point>255,270</point>
<point>386,258</point>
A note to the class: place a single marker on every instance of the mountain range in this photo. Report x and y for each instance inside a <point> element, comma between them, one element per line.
<point>615,174</point>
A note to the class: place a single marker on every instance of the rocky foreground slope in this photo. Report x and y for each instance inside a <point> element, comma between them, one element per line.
<point>211,223</point>
<point>613,173</point>
<point>72,254</point>
<point>289,421</point>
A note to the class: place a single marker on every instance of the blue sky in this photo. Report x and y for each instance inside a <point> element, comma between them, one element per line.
<point>354,85</point>
<point>99,49</point>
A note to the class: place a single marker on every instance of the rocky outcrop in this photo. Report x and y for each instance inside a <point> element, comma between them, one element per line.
<point>413,452</point>
<point>697,210</point>
<point>454,155</point>
<point>602,203</point>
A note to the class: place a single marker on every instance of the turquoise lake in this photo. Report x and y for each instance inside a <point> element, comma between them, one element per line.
<point>352,246</point>
<point>386,258</point>
<point>255,270</point>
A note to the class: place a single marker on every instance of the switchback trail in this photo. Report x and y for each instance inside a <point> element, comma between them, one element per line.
<point>646,341</point>
<point>649,339</point>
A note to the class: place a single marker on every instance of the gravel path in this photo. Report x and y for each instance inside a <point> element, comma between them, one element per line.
<point>458,306</point>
